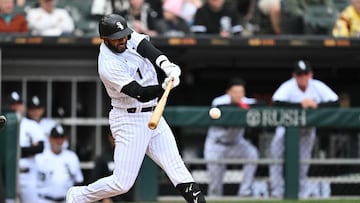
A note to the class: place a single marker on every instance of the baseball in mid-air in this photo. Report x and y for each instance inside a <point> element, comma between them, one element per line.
<point>214,113</point>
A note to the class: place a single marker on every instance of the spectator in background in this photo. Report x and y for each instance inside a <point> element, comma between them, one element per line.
<point>246,14</point>
<point>216,17</point>
<point>293,11</point>
<point>156,5</point>
<point>348,23</point>
<point>246,10</point>
<point>189,9</point>
<point>103,7</point>
<point>47,20</point>
<point>301,91</point>
<point>229,142</point>
<point>142,18</point>
<point>172,23</point>
<point>31,141</point>
<point>57,169</point>
<point>270,9</point>
<point>80,11</point>
<point>11,21</point>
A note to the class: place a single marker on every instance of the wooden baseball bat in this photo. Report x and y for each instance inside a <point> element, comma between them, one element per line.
<point>159,109</point>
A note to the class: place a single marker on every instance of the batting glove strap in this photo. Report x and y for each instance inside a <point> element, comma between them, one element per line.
<point>169,68</point>
<point>168,79</point>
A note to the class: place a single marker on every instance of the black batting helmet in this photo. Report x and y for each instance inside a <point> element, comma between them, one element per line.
<point>113,26</point>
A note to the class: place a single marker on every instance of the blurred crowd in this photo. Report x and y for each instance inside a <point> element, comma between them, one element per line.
<point>176,18</point>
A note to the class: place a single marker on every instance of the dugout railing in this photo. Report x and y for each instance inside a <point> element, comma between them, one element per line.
<point>147,184</point>
<point>293,119</point>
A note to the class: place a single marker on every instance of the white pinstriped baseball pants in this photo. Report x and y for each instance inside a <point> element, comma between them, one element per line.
<point>133,139</point>
<point>306,145</point>
<point>241,148</point>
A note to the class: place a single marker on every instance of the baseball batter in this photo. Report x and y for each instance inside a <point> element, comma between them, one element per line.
<point>126,66</point>
<point>222,143</point>
<point>305,92</point>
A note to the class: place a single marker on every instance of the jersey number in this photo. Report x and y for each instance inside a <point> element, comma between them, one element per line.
<point>138,71</point>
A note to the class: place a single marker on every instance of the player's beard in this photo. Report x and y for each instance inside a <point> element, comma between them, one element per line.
<point>119,48</point>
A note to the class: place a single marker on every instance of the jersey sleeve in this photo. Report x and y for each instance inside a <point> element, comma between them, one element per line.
<point>78,176</point>
<point>135,40</point>
<point>113,74</point>
<point>326,93</point>
<point>281,93</point>
<point>34,130</point>
<point>221,100</point>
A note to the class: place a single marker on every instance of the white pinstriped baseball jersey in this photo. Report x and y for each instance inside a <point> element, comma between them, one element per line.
<point>118,69</point>
<point>289,91</point>
<point>30,133</point>
<point>57,172</point>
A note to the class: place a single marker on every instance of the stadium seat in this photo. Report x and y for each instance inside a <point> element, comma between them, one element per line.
<point>80,11</point>
<point>341,4</point>
<point>319,19</point>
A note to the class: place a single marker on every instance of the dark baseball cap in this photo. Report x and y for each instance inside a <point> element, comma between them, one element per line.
<point>15,98</point>
<point>35,102</point>
<point>302,66</point>
<point>57,131</point>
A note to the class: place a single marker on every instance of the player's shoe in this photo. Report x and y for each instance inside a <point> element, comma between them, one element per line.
<point>70,195</point>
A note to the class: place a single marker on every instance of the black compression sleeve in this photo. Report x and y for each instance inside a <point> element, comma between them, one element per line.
<point>149,51</point>
<point>143,94</point>
<point>30,151</point>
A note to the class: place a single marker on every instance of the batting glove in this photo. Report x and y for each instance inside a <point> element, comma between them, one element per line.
<point>168,79</point>
<point>170,69</point>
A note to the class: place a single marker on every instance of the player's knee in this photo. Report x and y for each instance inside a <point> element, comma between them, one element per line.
<point>191,192</point>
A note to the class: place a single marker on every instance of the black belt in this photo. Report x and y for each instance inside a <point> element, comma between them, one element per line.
<point>55,199</point>
<point>146,109</point>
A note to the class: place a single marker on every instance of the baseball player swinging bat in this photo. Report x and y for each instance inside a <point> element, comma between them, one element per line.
<point>159,109</point>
